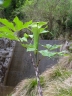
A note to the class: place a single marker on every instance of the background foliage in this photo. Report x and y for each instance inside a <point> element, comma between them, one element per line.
<point>58,14</point>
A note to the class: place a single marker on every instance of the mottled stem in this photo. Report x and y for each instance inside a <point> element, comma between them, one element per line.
<point>37,75</point>
<point>38,81</point>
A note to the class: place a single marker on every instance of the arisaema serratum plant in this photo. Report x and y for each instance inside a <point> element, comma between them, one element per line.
<point>10,30</point>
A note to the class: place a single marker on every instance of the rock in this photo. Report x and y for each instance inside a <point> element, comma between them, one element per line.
<point>6,49</point>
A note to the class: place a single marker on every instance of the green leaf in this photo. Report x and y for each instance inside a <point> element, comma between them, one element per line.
<point>63,53</point>
<point>30,48</point>
<point>51,47</point>
<point>31,36</point>
<point>5,29</point>
<point>18,24</point>
<point>11,37</point>
<point>44,31</point>
<point>47,53</point>
<point>23,39</point>
<point>55,47</point>
<point>42,23</point>
<point>52,54</point>
<point>6,3</point>
<point>33,25</point>
<point>26,35</point>
<point>36,29</point>
<point>27,24</point>
<point>1,35</point>
<point>7,33</point>
<point>7,23</point>
<point>48,46</point>
<point>25,45</point>
<point>38,24</point>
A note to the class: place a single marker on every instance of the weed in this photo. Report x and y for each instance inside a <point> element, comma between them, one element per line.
<point>59,72</point>
<point>33,84</point>
<point>65,92</point>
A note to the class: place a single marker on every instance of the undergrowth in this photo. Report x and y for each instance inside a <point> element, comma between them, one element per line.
<point>52,82</point>
<point>60,73</point>
<point>32,86</point>
<point>65,92</point>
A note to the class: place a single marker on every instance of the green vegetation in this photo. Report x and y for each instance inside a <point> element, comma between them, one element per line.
<point>32,85</point>
<point>10,30</point>
<point>60,73</point>
<point>54,83</point>
<point>65,92</point>
<point>57,14</point>
<point>51,17</point>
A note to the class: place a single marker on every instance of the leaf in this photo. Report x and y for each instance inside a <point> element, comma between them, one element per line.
<point>7,23</point>
<point>41,23</point>
<point>38,24</point>
<point>24,45</point>
<point>44,31</point>
<point>30,48</point>
<point>36,29</point>
<point>5,29</point>
<point>51,47</point>
<point>23,39</point>
<point>27,24</point>
<point>55,47</point>
<point>1,35</point>
<point>63,53</point>
<point>48,46</point>
<point>31,36</point>
<point>52,54</point>
<point>7,33</point>
<point>47,53</point>
<point>6,3</point>
<point>9,36</point>
<point>26,35</point>
<point>18,24</point>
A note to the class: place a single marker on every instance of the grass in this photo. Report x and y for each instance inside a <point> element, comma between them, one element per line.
<point>65,92</point>
<point>53,81</point>
<point>52,86</point>
<point>32,85</point>
<point>60,73</point>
